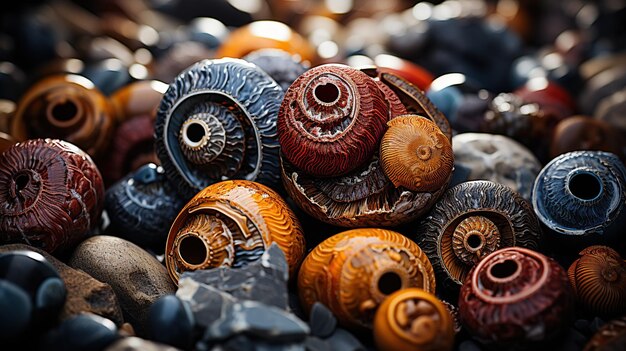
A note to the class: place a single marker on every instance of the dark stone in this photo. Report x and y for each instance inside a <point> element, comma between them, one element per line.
<point>469,345</point>
<point>322,322</point>
<point>170,321</point>
<point>239,343</point>
<point>313,343</point>
<point>138,344</point>
<point>16,309</point>
<point>207,303</point>
<point>82,332</point>
<point>108,75</point>
<point>264,280</point>
<point>342,340</point>
<point>84,293</point>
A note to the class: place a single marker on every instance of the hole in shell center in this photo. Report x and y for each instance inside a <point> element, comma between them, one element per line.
<point>192,250</point>
<point>327,93</point>
<point>389,283</point>
<point>21,181</point>
<point>64,111</point>
<point>585,186</point>
<point>195,132</point>
<point>504,269</point>
<point>474,241</point>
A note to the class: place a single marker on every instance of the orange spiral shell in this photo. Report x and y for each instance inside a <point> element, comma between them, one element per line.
<point>231,223</point>
<point>331,120</point>
<point>354,271</point>
<point>413,320</point>
<point>598,278</point>
<point>415,154</point>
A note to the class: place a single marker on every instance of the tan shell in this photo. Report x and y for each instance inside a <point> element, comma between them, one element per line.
<point>415,154</point>
<point>473,238</point>
<point>227,219</point>
<point>354,271</point>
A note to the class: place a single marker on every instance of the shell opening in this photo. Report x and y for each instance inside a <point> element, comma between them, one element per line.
<point>585,186</point>
<point>326,93</point>
<point>21,181</point>
<point>194,133</point>
<point>474,241</point>
<point>505,269</point>
<point>192,250</point>
<point>389,283</point>
<point>63,112</point>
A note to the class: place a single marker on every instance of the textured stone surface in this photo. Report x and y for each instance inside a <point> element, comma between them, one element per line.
<point>84,293</point>
<point>207,303</point>
<point>138,344</point>
<point>136,276</point>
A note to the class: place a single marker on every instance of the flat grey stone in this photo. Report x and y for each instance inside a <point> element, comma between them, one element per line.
<point>322,322</point>
<point>342,340</point>
<point>208,304</point>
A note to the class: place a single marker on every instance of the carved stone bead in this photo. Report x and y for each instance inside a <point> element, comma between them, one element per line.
<point>354,271</point>
<point>232,223</point>
<point>52,194</point>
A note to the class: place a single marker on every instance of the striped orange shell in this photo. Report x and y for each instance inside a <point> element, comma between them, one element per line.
<point>354,271</point>
<point>598,278</point>
<point>331,120</point>
<point>231,223</point>
<point>415,154</point>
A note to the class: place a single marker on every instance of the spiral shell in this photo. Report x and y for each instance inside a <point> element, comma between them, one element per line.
<point>470,221</point>
<point>598,278</point>
<point>415,154</point>
<point>511,292</point>
<point>354,271</point>
<point>413,320</point>
<point>142,206</point>
<point>331,120</point>
<point>52,194</point>
<point>231,223</point>
<point>217,121</point>
<point>610,337</point>
<point>580,195</point>
<point>66,107</point>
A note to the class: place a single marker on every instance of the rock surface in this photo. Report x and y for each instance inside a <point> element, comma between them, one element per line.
<point>138,344</point>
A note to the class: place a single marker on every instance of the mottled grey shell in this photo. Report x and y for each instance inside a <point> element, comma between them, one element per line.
<point>511,214</point>
<point>245,100</point>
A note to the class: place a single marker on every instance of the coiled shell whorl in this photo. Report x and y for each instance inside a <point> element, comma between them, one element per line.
<point>598,278</point>
<point>415,154</point>
<point>331,120</point>
<point>231,223</point>
<point>470,221</point>
<point>354,271</point>
<point>51,194</point>
<point>217,121</point>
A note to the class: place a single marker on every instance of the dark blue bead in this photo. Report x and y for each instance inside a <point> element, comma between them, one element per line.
<point>82,332</point>
<point>16,310</point>
<point>171,322</point>
<point>108,75</point>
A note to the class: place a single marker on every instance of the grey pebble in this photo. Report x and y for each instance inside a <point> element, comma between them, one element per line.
<point>322,322</point>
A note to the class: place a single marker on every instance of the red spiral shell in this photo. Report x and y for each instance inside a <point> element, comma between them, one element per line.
<point>331,120</point>
<point>51,194</point>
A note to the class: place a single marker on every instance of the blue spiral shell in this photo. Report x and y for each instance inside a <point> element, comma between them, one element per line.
<point>581,194</point>
<point>236,104</point>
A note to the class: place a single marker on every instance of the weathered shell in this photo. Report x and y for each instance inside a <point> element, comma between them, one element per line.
<point>470,221</point>
<point>66,107</point>
<point>415,154</point>
<point>231,223</point>
<point>581,195</point>
<point>515,296</point>
<point>142,207</point>
<point>610,337</point>
<point>413,320</point>
<point>282,66</point>
<point>217,121</point>
<point>331,120</point>
<point>52,194</point>
<point>598,278</point>
<point>354,271</point>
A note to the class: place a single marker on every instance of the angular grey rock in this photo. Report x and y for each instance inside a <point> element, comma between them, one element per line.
<point>208,304</point>
<point>322,322</point>
<point>137,344</point>
<point>342,340</point>
<point>264,280</point>
<point>313,343</point>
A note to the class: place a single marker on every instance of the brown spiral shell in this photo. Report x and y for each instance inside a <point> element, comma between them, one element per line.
<point>610,337</point>
<point>67,107</point>
<point>511,292</point>
<point>331,120</point>
<point>354,271</point>
<point>231,223</point>
<point>415,154</point>
<point>51,194</point>
<point>473,237</point>
<point>598,278</point>
<point>413,320</point>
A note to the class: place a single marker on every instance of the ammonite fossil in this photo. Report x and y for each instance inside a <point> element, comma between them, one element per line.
<point>415,154</point>
<point>354,271</point>
<point>52,194</point>
<point>413,320</point>
<point>365,196</point>
<point>331,120</point>
<point>470,221</point>
<point>66,107</point>
<point>217,121</point>
<point>142,207</point>
<point>231,223</point>
<point>580,197</point>
<point>598,279</point>
<point>282,66</point>
<point>610,337</point>
<point>516,296</point>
